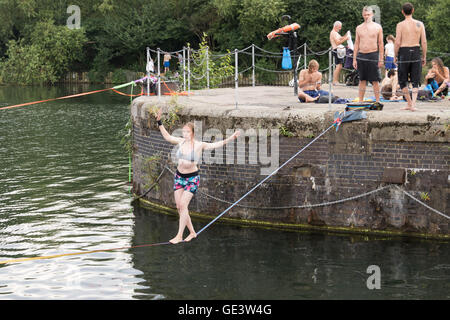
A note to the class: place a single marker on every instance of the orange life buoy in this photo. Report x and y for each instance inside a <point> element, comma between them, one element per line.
<point>288,28</point>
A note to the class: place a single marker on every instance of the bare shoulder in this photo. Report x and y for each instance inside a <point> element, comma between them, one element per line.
<point>334,34</point>
<point>400,24</point>
<point>419,24</point>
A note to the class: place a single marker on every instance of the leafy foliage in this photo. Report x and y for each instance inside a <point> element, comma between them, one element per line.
<point>36,46</point>
<point>219,68</point>
<point>45,57</point>
<point>438,24</point>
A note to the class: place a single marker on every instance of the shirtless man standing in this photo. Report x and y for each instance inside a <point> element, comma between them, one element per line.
<point>407,50</point>
<point>336,40</point>
<point>309,81</point>
<point>368,54</point>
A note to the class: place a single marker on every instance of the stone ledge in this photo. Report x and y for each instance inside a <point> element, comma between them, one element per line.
<point>264,107</point>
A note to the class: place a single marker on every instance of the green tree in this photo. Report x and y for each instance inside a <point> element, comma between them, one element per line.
<point>241,23</point>
<point>45,56</point>
<point>117,32</point>
<point>24,65</point>
<point>437,29</point>
<point>219,68</point>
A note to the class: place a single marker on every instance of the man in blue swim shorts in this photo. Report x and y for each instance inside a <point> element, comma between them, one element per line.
<point>309,83</point>
<point>166,62</point>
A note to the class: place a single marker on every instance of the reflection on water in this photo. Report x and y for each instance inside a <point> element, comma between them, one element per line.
<point>229,262</point>
<point>63,189</point>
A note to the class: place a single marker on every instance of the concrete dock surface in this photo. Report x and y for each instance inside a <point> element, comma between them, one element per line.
<point>280,102</point>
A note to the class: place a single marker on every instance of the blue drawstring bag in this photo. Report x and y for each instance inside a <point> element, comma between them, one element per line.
<point>286,63</point>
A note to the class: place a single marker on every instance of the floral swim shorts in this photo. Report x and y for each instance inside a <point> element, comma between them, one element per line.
<point>188,181</point>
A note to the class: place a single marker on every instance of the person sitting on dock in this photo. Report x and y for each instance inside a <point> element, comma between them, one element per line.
<point>440,74</point>
<point>187,179</point>
<point>309,83</point>
<point>390,87</point>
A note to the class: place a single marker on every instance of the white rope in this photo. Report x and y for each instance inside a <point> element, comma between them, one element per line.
<point>192,75</point>
<point>329,203</point>
<point>201,62</point>
<point>319,53</point>
<point>278,53</point>
<point>302,206</point>
<point>217,56</point>
<point>245,70</point>
<point>441,54</point>
<point>267,70</point>
<point>424,204</point>
<point>243,50</point>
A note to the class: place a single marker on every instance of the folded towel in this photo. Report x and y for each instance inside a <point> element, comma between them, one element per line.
<point>365,99</point>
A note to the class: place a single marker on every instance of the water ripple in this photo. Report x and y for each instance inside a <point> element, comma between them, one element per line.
<point>63,190</point>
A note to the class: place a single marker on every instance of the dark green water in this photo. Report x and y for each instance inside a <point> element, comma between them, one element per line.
<point>63,189</point>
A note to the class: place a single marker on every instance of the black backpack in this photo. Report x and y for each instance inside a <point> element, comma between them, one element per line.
<point>352,79</point>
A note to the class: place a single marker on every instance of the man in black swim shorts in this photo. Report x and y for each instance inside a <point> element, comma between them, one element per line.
<point>368,66</point>
<point>410,34</point>
<point>409,66</point>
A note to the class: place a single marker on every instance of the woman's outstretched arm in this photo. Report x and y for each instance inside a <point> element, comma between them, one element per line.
<point>218,144</point>
<point>165,134</point>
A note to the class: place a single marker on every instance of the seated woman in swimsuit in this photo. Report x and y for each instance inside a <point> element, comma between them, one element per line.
<point>440,74</point>
<point>187,179</point>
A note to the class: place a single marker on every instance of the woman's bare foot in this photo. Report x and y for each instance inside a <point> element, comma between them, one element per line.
<point>176,240</point>
<point>190,237</point>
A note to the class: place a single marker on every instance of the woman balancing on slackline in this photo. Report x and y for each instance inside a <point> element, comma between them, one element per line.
<point>187,179</point>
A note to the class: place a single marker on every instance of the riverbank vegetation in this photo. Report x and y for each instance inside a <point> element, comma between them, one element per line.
<point>36,46</point>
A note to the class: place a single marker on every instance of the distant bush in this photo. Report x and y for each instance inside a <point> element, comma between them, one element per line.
<point>262,76</point>
<point>118,76</point>
<point>44,57</point>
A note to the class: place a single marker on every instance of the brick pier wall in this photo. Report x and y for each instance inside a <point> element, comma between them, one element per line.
<point>339,165</point>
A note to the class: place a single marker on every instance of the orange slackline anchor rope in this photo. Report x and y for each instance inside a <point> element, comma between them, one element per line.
<point>173,93</point>
<point>133,83</point>
<point>129,95</point>
<point>54,99</point>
